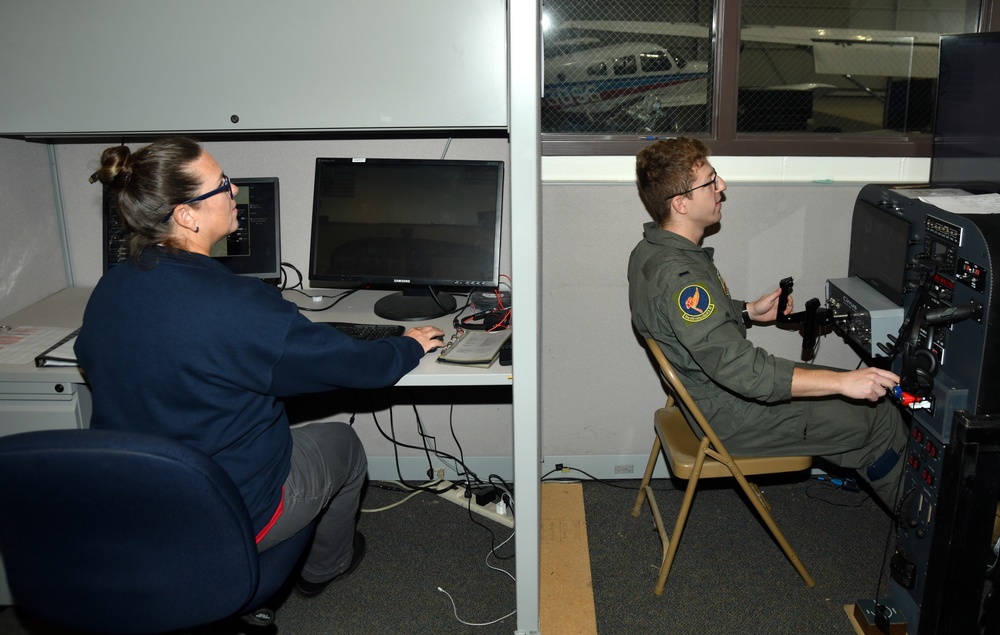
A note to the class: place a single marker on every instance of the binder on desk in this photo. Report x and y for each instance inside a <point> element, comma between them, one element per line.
<point>61,353</point>
<point>474,348</point>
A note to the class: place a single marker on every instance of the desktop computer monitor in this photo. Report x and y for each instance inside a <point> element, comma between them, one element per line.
<point>421,226</point>
<point>254,249</point>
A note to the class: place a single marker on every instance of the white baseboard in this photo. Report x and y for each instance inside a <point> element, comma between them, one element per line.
<point>603,467</point>
<point>583,467</point>
<point>414,468</point>
<point>610,467</point>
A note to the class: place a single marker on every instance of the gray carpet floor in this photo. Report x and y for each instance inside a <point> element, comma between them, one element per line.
<point>728,577</point>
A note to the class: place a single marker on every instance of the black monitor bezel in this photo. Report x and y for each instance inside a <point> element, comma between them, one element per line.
<point>389,282</point>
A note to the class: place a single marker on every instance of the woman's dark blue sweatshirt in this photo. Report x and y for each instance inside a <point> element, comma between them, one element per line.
<point>188,350</point>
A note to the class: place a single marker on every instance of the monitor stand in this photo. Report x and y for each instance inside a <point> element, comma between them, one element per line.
<point>409,305</point>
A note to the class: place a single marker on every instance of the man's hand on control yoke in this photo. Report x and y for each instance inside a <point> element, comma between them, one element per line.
<point>765,308</point>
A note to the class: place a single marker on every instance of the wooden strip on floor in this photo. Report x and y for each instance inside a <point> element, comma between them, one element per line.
<point>566,602</point>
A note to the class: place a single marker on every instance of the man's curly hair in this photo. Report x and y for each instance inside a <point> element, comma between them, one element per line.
<point>664,169</point>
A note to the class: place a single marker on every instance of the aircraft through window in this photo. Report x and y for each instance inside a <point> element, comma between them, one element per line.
<point>835,68</point>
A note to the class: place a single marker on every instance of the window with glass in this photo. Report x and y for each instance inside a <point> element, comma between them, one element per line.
<point>747,74</point>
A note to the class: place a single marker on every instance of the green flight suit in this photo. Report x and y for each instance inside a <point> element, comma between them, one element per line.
<point>679,298</point>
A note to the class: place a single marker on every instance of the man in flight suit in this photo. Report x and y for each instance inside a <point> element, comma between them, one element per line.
<point>757,403</point>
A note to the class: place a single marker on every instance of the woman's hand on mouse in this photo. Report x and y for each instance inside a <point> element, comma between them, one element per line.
<point>429,337</point>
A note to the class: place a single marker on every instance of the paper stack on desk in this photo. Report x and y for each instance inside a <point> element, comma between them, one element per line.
<point>22,344</point>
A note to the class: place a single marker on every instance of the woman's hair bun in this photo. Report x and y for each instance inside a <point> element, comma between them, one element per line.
<point>116,167</point>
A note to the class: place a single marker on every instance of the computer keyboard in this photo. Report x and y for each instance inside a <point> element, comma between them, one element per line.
<point>368,332</point>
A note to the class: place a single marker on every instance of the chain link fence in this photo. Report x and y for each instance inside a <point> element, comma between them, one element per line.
<point>805,66</point>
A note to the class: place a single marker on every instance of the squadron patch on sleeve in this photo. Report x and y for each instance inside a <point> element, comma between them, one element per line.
<point>695,303</point>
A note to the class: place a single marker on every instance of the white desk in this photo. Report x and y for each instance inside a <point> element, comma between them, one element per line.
<point>43,398</point>
<point>358,308</point>
<point>65,309</point>
<point>57,397</point>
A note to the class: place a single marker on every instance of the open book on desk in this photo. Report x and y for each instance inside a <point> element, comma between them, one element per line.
<point>474,348</point>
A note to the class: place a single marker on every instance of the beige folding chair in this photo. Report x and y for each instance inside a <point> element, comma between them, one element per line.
<point>690,458</point>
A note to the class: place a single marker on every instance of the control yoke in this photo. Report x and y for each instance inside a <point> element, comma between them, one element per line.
<point>813,319</point>
<point>919,361</point>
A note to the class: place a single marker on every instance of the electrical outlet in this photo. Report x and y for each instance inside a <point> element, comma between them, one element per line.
<point>624,469</point>
<point>439,474</point>
<point>457,496</point>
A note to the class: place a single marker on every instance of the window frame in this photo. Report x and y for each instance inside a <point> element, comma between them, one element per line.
<point>725,141</point>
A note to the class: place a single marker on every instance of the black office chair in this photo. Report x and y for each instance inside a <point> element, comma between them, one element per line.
<point>115,532</point>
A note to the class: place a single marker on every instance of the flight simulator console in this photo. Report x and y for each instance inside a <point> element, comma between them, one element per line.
<point>919,299</point>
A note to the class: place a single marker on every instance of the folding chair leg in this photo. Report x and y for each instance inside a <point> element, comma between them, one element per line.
<point>760,495</point>
<point>650,465</point>
<point>658,521</point>
<point>763,509</point>
<point>674,540</point>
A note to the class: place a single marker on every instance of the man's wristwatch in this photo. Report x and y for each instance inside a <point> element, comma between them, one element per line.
<point>747,322</point>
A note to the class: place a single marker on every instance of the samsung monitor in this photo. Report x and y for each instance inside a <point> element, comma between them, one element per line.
<point>966,148</point>
<point>421,227</point>
<point>254,249</point>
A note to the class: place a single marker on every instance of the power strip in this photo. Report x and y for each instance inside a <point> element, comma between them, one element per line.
<point>457,496</point>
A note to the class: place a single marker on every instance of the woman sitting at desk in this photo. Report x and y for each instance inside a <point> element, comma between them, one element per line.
<point>174,344</point>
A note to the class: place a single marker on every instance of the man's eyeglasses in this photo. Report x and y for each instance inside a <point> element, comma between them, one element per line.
<point>225,187</point>
<point>714,183</point>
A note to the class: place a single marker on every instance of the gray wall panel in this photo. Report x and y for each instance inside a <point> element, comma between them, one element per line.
<point>100,66</point>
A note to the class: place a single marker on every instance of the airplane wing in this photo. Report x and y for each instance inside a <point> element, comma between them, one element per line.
<point>835,51</point>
